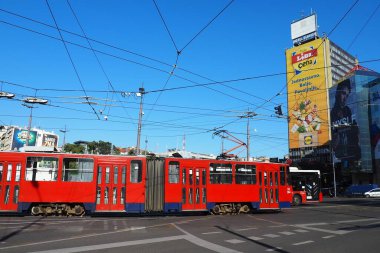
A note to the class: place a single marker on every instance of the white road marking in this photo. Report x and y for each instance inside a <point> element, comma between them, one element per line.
<point>275,249</point>
<point>328,237</point>
<point>113,245</point>
<point>278,226</point>
<point>271,235</point>
<point>301,243</point>
<point>235,241</point>
<point>255,238</point>
<point>286,233</point>
<point>245,229</point>
<point>205,244</point>
<point>301,230</point>
<point>336,232</point>
<point>210,233</point>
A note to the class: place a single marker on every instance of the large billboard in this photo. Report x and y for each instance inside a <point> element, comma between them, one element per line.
<point>20,137</point>
<point>307,95</point>
<point>304,30</point>
<point>49,140</point>
<point>345,131</point>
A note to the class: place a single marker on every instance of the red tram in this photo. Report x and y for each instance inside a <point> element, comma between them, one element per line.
<point>72,184</point>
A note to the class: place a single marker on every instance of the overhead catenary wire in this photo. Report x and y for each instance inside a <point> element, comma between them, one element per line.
<point>71,60</point>
<point>363,27</point>
<point>96,56</point>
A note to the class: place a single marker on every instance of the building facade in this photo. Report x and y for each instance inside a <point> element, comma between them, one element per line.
<point>14,138</point>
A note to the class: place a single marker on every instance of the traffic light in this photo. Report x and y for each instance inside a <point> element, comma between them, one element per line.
<point>278,110</point>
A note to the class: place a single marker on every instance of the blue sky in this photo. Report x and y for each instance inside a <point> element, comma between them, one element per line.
<point>248,39</point>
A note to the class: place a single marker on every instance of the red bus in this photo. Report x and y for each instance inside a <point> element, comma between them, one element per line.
<point>75,184</point>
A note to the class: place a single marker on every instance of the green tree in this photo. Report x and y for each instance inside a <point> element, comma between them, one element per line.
<point>73,148</point>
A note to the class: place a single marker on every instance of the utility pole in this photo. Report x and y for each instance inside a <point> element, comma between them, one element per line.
<point>248,115</point>
<point>29,123</point>
<point>333,164</point>
<point>64,136</point>
<point>141,95</point>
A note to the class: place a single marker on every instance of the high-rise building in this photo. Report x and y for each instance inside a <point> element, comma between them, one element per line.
<point>333,109</point>
<point>313,65</point>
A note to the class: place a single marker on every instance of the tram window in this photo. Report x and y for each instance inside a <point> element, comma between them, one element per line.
<point>276,178</point>
<point>270,178</point>
<point>1,171</point>
<point>98,193</point>
<point>99,174</point>
<point>245,174</point>
<point>276,191</point>
<point>9,172</point>
<point>115,174</point>
<point>174,172</point>
<point>260,179</point>
<point>265,178</point>
<point>107,175</point>
<point>18,172</point>
<point>6,195</point>
<point>220,173</point>
<point>203,177</point>
<point>78,169</point>
<point>282,175</point>
<point>190,176</point>
<point>204,195</point>
<point>41,168</point>
<point>191,196</point>
<point>124,169</point>
<point>122,195</point>
<point>197,199</point>
<point>197,176</point>
<point>183,176</point>
<point>271,195</point>
<point>106,195</point>
<point>136,171</point>
<point>114,196</point>
<point>15,194</point>
<point>183,195</point>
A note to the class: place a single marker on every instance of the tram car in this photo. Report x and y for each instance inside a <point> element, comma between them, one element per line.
<point>78,184</point>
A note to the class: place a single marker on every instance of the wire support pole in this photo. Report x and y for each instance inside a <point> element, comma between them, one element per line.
<point>29,126</point>
<point>141,94</point>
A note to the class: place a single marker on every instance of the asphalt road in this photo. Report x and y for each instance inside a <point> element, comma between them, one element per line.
<point>336,225</point>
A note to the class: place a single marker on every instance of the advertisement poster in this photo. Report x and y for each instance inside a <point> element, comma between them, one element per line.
<point>307,95</point>
<point>344,127</point>
<point>20,136</point>
<point>375,123</point>
<point>49,140</point>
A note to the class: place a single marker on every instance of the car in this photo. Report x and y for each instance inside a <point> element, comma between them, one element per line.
<point>356,190</point>
<point>373,193</point>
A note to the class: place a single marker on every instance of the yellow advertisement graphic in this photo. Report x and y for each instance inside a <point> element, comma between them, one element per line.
<point>307,95</point>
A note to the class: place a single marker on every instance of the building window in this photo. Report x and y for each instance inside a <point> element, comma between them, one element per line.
<point>78,169</point>
<point>41,169</point>
<point>220,173</point>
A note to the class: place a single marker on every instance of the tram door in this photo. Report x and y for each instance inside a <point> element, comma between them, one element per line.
<point>193,189</point>
<point>10,175</point>
<point>268,191</point>
<point>110,190</point>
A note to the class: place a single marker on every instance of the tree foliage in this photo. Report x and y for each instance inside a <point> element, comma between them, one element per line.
<point>93,147</point>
